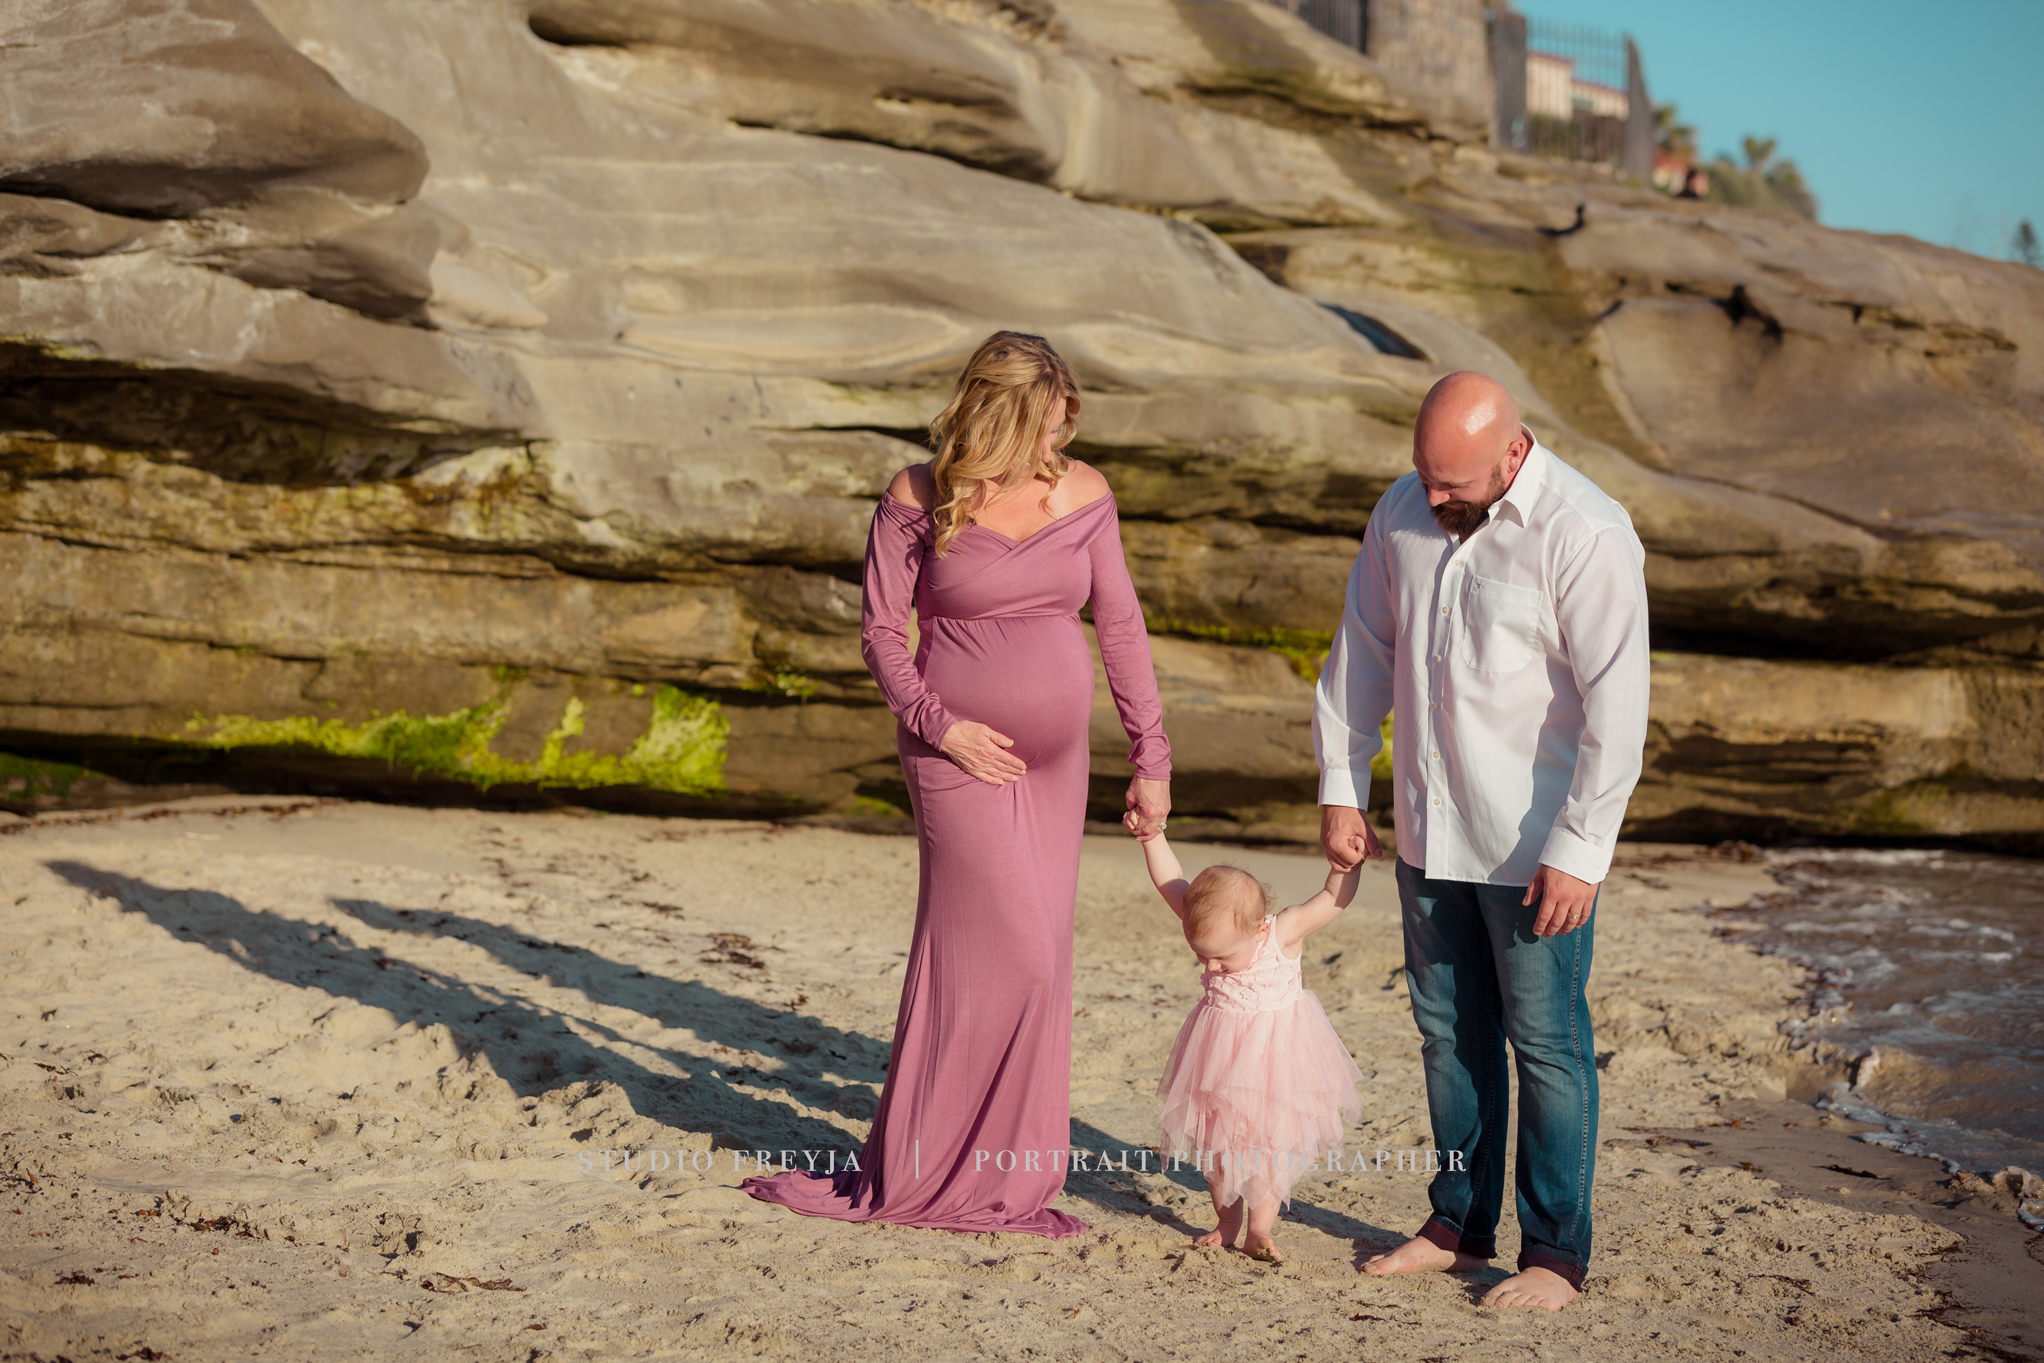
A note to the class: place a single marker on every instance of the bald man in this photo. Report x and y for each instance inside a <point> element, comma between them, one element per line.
<point>1498,610</point>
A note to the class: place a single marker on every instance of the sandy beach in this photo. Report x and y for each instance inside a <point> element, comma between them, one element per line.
<point>313,1079</point>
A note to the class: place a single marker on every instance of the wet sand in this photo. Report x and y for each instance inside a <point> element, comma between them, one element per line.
<point>316,1079</point>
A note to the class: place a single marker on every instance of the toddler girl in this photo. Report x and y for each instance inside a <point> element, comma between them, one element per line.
<point>1259,1087</point>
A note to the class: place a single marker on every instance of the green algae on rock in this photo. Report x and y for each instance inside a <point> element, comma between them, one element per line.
<point>1304,649</point>
<point>26,780</point>
<point>682,749</point>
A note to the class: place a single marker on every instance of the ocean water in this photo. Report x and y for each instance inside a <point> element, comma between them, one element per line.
<point>1928,965</point>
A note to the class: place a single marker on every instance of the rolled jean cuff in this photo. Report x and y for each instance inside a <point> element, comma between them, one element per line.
<point>1572,1274</point>
<point>1439,1233</point>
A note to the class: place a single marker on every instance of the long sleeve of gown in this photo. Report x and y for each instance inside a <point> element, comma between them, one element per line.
<point>894,560</point>
<point>1125,649</point>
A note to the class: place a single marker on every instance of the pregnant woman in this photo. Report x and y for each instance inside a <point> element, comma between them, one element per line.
<point>997,543</point>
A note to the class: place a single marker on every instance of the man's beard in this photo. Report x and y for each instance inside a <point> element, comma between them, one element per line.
<point>1460,518</point>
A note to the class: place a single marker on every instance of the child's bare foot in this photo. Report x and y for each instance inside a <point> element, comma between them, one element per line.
<point>1223,1235</point>
<point>1539,1287</point>
<point>1231,1216</point>
<point>1424,1256</point>
<point>1262,1247</point>
<point>1262,1220</point>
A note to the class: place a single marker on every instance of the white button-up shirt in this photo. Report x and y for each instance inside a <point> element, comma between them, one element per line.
<point>1515,664</point>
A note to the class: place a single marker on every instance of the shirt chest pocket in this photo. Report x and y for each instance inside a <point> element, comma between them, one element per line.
<point>1500,625</point>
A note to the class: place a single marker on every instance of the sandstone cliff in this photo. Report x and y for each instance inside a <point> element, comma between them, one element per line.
<point>493,394</point>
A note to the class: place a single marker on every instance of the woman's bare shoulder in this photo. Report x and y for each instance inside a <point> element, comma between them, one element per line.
<point>914,486</point>
<point>1081,486</point>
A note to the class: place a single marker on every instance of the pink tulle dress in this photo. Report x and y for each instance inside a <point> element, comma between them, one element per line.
<point>1259,1089</point>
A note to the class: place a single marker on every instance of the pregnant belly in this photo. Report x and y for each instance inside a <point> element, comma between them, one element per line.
<point>1029,677</point>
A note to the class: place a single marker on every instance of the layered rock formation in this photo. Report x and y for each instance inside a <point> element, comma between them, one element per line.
<point>499,390</point>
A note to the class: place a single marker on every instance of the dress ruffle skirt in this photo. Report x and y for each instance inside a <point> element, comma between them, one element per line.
<point>1258,1097</point>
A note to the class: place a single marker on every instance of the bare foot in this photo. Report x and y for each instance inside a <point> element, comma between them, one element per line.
<point>1541,1287</point>
<point>1231,1215</point>
<point>1223,1235</point>
<point>1423,1256</point>
<point>1262,1247</point>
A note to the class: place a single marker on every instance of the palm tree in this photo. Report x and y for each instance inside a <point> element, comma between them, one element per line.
<point>1763,182</point>
<point>1676,139</point>
<point>2023,245</point>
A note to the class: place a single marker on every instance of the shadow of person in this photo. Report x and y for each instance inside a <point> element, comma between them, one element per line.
<point>1476,1286</point>
<point>1368,1237</point>
<point>531,1047</point>
<point>1118,1189</point>
<point>809,1050</point>
<point>536,1049</point>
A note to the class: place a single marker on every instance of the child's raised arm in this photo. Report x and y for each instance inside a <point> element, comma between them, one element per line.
<point>1302,920</point>
<point>1165,873</point>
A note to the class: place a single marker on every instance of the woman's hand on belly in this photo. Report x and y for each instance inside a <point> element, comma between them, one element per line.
<point>983,752</point>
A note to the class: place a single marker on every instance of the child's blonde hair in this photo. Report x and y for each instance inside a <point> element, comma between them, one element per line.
<point>1225,891</point>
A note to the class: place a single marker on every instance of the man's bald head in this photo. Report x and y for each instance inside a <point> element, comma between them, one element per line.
<point>1468,446</point>
<point>1467,411</point>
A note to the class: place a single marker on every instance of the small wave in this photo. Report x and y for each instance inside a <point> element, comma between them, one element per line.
<point>1863,856</point>
<point>1927,967</point>
<point>1956,1148</point>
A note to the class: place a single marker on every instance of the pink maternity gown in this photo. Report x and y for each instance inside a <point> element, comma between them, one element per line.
<point>975,1118</point>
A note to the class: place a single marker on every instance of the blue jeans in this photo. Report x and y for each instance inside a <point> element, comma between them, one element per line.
<point>1479,977</point>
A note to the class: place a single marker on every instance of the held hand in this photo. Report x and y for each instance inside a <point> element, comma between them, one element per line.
<point>1565,902</point>
<point>1149,803</point>
<point>1346,837</point>
<point>983,752</point>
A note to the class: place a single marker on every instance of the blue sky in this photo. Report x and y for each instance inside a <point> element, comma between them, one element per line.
<point>1925,118</point>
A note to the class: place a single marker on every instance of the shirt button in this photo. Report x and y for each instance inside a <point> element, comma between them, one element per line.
<point>1437,757</point>
<point>1437,802</point>
<point>1444,610</point>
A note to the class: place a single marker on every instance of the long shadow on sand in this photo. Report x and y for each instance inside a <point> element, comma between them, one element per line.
<point>534,1049</point>
<point>531,1047</point>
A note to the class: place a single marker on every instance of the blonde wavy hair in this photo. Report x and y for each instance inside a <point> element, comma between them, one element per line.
<point>992,433</point>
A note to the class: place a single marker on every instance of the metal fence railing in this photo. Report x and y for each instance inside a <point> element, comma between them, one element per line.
<point>1571,92</point>
<point>1576,83</point>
